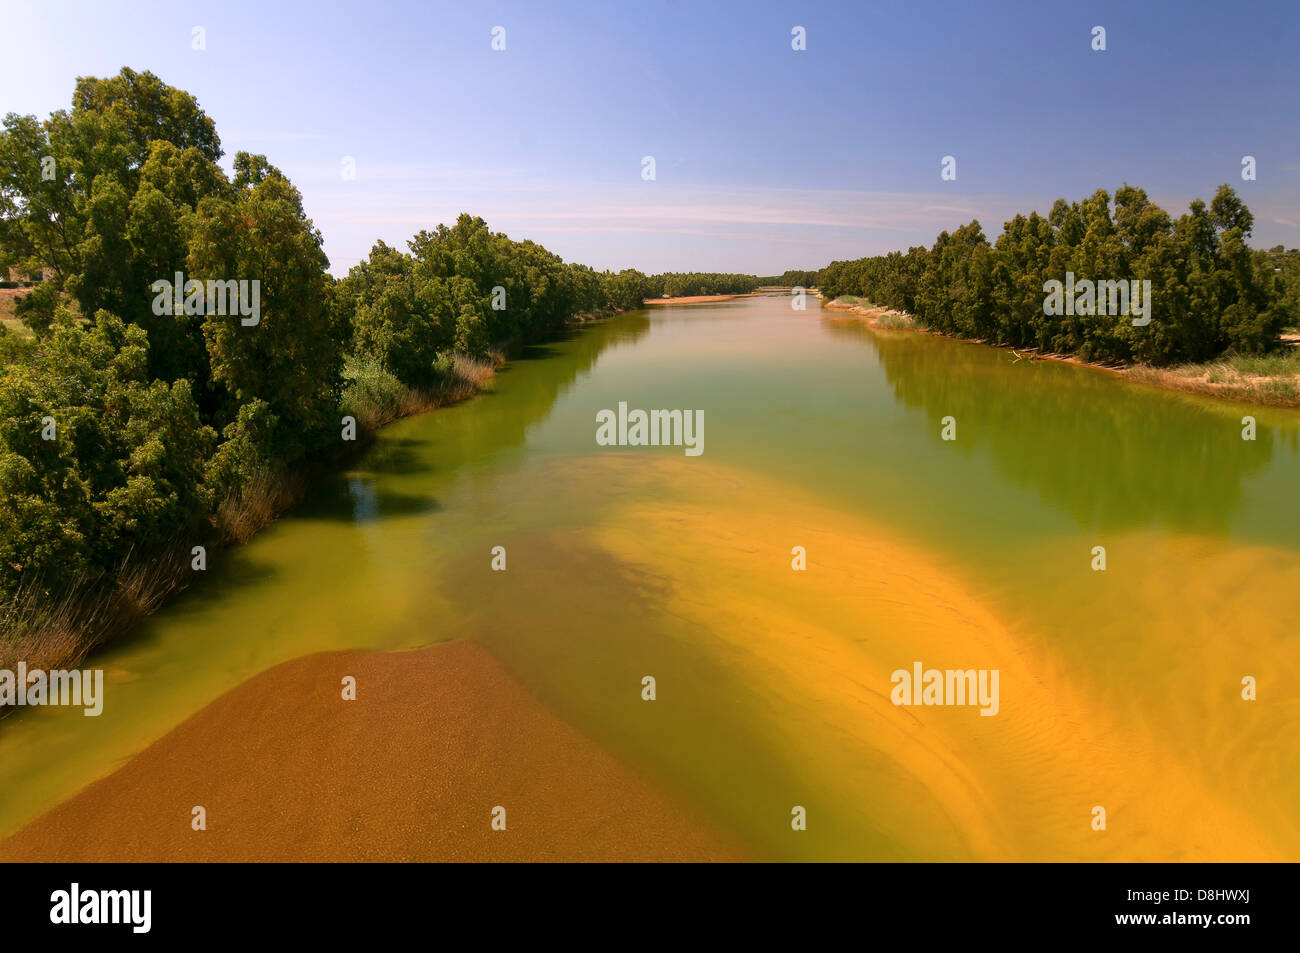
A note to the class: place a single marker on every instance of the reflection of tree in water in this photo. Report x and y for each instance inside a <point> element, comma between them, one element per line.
<point>1112,455</point>
<point>530,386</point>
<point>475,432</point>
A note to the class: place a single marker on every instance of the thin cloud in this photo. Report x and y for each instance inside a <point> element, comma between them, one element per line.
<point>574,217</point>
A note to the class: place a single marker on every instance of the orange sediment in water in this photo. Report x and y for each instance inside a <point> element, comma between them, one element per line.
<point>1076,729</point>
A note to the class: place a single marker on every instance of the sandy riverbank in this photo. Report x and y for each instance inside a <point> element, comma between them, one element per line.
<point>411,770</point>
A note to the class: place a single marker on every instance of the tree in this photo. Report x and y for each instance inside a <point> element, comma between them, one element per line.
<point>292,356</point>
<point>95,458</point>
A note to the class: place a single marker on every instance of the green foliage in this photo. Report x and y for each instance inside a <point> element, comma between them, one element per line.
<point>170,415</point>
<point>625,291</point>
<point>466,289</point>
<point>497,290</point>
<point>292,358</point>
<point>244,454</point>
<point>125,467</point>
<point>37,309</point>
<point>370,392</point>
<point>398,321</point>
<point>15,348</point>
<point>791,279</point>
<point>1285,266</point>
<point>1210,292</point>
<point>135,197</point>
<point>675,285</point>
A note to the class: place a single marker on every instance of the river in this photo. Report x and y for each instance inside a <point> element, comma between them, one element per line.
<point>1120,688</point>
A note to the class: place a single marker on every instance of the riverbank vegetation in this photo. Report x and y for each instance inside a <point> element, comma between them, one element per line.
<point>876,316</point>
<point>791,279</point>
<point>1211,295</point>
<point>131,432</point>
<point>1271,379</point>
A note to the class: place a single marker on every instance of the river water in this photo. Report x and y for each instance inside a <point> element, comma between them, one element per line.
<point>1119,688</point>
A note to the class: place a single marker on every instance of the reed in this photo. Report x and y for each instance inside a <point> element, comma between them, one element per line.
<point>54,630</point>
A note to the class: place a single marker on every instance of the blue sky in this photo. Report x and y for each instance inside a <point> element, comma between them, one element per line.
<point>766,158</point>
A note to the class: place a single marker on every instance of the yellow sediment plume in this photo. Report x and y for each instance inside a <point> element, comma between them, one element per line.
<point>820,646</point>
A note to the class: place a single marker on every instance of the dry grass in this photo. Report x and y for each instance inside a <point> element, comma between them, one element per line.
<point>9,317</point>
<point>239,517</point>
<point>1272,380</point>
<point>49,629</point>
<point>894,320</point>
<point>52,631</point>
<point>471,376</point>
<point>263,498</point>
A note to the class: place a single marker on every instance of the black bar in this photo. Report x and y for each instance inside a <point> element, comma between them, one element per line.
<point>996,902</point>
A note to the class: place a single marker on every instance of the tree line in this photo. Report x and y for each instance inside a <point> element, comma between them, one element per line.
<point>124,425</point>
<point>691,284</point>
<point>1210,292</point>
<point>793,278</point>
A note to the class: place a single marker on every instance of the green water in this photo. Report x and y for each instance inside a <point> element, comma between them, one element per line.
<point>1049,461</point>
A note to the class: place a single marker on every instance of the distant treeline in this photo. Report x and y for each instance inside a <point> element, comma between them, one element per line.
<point>674,285</point>
<point>1211,293</point>
<point>134,421</point>
<point>791,279</point>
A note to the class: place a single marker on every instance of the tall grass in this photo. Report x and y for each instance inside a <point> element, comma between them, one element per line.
<point>1280,364</point>
<point>1269,379</point>
<point>469,376</point>
<point>371,394</point>
<point>877,316</point>
<point>262,498</point>
<point>57,629</point>
<point>374,397</point>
